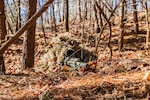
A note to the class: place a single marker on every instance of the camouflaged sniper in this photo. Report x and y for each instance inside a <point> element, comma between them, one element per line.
<point>65,51</point>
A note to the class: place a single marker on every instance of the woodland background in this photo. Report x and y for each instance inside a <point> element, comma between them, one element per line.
<point>115,30</point>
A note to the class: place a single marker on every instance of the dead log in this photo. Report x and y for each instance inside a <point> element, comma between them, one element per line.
<point>8,43</point>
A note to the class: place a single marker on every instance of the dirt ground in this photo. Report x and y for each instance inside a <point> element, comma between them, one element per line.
<point>120,77</point>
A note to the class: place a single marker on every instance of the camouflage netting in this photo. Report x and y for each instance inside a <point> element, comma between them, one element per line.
<point>65,51</point>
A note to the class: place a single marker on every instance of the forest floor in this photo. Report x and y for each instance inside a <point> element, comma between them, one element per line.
<point>119,77</point>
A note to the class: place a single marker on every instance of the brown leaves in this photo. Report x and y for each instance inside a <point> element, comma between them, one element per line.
<point>65,68</point>
<point>147,76</point>
<point>92,65</point>
<point>81,69</point>
<point>22,86</point>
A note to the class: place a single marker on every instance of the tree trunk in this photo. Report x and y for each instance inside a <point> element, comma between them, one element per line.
<point>42,26</point>
<point>18,22</point>
<point>135,17</point>
<point>147,24</point>
<point>120,41</point>
<point>100,17</point>
<point>3,33</point>
<point>29,38</point>
<point>16,18</point>
<point>115,6</point>
<point>64,6</point>
<point>19,15</point>
<point>96,19</point>
<point>54,19</point>
<point>85,7</point>
<point>59,11</point>
<point>2,19</point>
<point>79,4</point>
<point>67,15</point>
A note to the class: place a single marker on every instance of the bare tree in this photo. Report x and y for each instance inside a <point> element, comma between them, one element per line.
<point>42,26</point>
<point>58,4</point>
<point>3,33</point>
<point>64,6</point>
<point>135,17</point>
<point>19,15</point>
<point>67,15</point>
<point>54,19</point>
<point>147,23</point>
<point>107,22</point>
<point>100,17</point>
<point>29,38</point>
<point>85,11</point>
<point>96,19</point>
<point>120,41</point>
<point>115,3</point>
<point>79,5</point>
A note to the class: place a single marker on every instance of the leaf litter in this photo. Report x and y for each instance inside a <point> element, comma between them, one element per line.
<point>118,78</point>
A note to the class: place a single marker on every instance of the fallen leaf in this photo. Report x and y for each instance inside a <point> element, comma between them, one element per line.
<point>147,76</point>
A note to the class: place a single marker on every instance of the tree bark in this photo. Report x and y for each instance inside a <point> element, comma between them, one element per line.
<point>115,6</point>
<point>19,15</point>
<point>3,33</point>
<point>96,19</point>
<point>147,24</point>
<point>67,15</point>
<point>64,6</point>
<point>42,26</point>
<point>100,17</point>
<point>2,19</point>
<point>79,5</point>
<point>59,11</point>
<point>86,9</point>
<point>135,17</point>
<point>54,19</point>
<point>120,41</point>
<point>29,38</point>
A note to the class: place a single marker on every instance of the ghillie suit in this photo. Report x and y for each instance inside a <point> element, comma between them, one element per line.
<point>65,51</point>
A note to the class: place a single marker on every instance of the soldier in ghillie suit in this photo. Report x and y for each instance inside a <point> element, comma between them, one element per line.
<point>65,51</point>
